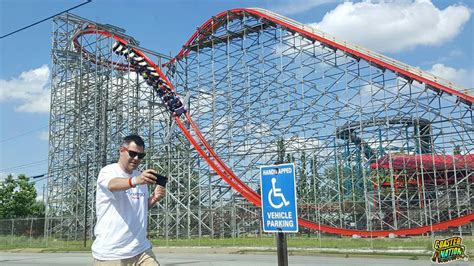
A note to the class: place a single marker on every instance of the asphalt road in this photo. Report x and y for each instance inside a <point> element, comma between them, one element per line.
<point>182,258</point>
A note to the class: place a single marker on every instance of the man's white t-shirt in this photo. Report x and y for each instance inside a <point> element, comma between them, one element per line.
<point>121,227</point>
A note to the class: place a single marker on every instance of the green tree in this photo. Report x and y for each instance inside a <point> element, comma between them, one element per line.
<point>280,151</point>
<point>314,185</point>
<point>290,158</point>
<point>18,199</point>
<point>402,150</point>
<point>333,176</point>
<point>457,150</point>
<point>302,184</point>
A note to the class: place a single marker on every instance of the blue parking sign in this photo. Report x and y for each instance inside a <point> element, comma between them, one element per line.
<point>278,192</point>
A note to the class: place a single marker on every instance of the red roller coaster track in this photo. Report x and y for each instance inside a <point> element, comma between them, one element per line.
<point>207,152</point>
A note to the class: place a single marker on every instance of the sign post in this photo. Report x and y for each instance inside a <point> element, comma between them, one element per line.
<point>279,212</point>
<point>282,251</point>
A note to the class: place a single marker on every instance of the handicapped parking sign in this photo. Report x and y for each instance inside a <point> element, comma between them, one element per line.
<point>278,192</point>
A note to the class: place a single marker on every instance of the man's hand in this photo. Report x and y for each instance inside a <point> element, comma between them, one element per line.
<point>157,195</point>
<point>146,177</point>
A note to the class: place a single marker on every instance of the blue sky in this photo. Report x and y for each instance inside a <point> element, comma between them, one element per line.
<point>437,36</point>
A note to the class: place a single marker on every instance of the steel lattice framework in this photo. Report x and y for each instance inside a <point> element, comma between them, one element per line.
<point>380,146</point>
<point>93,106</point>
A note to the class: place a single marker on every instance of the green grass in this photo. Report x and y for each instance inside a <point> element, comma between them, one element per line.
<point>216,242</point>
<point>413,243</point>
<point>424,243</point>
<point>23,242</point>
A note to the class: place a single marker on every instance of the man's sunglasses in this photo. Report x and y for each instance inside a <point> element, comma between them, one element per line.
<point>134,154</point>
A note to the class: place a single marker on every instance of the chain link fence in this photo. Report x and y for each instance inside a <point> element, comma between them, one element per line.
<point>26,227</point>
<point>23,233</point>
<point>20,233</point>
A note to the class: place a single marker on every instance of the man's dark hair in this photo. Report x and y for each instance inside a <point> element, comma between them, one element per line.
<point>133,138</point>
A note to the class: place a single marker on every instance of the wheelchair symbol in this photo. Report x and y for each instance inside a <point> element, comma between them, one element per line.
<point>276,192</point>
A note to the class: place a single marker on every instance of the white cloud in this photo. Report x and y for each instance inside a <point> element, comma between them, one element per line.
<point>394,26</point>
<point>30,90</point>
<point>459,76</point>
<point>44,135</point>
<point>290,7</point>
<point>36,103</point>
<point>202,101</point>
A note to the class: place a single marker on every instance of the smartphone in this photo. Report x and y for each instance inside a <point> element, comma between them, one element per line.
<point>161,179</point>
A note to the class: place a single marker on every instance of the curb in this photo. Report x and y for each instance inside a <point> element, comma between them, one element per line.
<point>293,251</point>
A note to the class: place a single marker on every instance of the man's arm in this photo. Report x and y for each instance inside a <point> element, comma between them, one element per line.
<point>119,183</point>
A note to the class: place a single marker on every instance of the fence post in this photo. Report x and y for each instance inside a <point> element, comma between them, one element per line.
<point>31,228</point>
<point>86,200</point>
<point>11,236</point>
